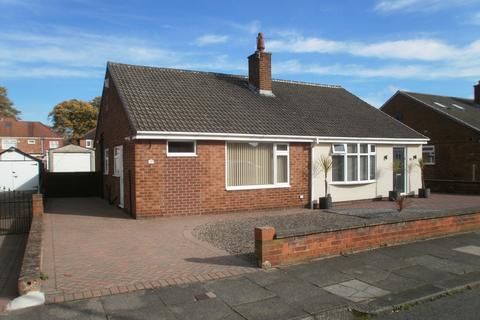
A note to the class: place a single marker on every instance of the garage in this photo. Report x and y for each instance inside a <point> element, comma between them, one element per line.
<point>19,171</point>
<point>71,158</point>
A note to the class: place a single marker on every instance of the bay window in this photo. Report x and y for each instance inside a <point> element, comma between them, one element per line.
<point>257,165</point>
<point>353,162</point>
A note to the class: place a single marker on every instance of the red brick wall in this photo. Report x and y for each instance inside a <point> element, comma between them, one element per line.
<point>196,185</point>
<point>457,147</point>
<point>113,127</point>
<point>260,70</point>
<point>22,144</point>
<point>307,247</point>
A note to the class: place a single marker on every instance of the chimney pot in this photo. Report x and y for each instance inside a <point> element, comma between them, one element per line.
<point>260,42</point>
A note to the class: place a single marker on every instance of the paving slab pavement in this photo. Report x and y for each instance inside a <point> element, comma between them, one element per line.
<point>12,248</point>
<point>335,288</point>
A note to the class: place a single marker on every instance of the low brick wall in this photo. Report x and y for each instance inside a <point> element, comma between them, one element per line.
<point>30,273</point>
<point>453,186</point>
<point>272,249</point>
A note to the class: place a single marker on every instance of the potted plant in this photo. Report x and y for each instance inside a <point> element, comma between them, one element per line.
<point>422,192</point>
<point>396,168</point>
<point>325,165</point>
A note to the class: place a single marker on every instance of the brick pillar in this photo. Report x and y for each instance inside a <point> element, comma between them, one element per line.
<point>264,244</point>
<point>37,204</point>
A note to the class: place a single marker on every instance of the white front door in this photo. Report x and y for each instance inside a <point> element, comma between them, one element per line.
<point>119,172</point>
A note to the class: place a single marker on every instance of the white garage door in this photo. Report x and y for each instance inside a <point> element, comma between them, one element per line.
<point>71,162</point>
<point>19,175</point>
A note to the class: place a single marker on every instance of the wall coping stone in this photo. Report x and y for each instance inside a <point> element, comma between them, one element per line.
<point>397,218</point>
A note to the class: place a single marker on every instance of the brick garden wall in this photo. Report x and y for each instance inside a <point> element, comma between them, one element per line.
<point>196,185</point>
<point>296,248</point>
<point>457,147</point>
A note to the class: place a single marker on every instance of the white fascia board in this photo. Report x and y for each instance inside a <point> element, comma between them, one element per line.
<point>219,136</point>
<point>147,135</point>
<point>371,140</point>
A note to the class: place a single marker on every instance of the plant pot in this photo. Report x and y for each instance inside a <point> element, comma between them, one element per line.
<point>424,193</point>
<point>325,202</point>
<point>393,195</point>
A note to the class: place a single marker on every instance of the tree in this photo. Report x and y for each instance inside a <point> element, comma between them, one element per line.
<point>73,118</point>
<point>6,105</point>
<point>95,102</point>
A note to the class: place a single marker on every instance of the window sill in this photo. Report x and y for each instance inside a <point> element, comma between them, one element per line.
<point>266,186</point>
<point>174,155</point>
<point>347,183</point>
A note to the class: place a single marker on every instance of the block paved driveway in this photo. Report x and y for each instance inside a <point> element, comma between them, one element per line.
<point>371,282</point>
<point>91,248</point>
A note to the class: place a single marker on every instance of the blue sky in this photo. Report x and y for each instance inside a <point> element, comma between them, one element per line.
<point>51,51</point>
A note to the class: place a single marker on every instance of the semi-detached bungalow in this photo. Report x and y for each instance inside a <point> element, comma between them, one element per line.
<point>178,142</point>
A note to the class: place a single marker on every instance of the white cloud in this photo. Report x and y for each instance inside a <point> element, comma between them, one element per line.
<point>391,71</point>
<point>211,39</point>
<point>418,5</point>
<point>408,49</point>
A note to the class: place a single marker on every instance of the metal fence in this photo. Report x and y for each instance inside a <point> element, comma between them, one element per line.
<point>15,212</point>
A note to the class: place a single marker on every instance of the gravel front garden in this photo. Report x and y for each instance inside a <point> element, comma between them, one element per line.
<point>236,235</point>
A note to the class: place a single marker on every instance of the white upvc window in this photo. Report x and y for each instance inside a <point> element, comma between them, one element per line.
<point>177,148</point>
<point>89,143</point>
<point>105,161</point>
<point>117,161</point>
<point>8,143</point>
<point>428,154</point>
<point>31,141</point>
<point>257,165</point>
<point>353,163</point>
<point>53,144</point>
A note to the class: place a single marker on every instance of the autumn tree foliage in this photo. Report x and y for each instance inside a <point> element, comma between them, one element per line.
<point>6,105</point>
<point>73,118</point>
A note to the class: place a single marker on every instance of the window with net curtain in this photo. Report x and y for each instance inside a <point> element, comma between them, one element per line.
<point>257,164</point>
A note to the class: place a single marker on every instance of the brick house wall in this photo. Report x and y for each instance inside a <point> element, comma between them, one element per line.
<point>113,129</point>
<point>457,147</point>
<point>36,148</point>
<point>196,185</point>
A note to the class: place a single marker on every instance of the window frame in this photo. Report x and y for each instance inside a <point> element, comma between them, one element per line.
<point>432,152</point>
<point>275,154</point>
<point>116,171</point>
<point>371,151</point>
<point>106,161</point>
<point>11,142</point>
<point>31,141</point>
<point>88,143</point>
<point>50,144</point>
<point>182,154</point>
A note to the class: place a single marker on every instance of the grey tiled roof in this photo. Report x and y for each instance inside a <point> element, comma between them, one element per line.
<point>171,100</point>
<point>71,148</point>
<point>469,115</point>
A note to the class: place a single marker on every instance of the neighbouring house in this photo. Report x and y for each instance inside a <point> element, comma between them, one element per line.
<point>179,142</point>
<point>87,139</point>
<point>71,158</point>
<point>31,137</point>
<point>452,155</point>
<point>19,171</point>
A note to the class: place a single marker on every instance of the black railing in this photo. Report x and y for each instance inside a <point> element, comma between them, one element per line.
<point>15,212</point>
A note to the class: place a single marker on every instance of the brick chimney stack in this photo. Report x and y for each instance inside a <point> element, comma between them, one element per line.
<point>260,69</point>
<point>476,93</point>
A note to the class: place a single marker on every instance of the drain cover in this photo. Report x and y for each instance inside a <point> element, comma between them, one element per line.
<point>205,296</point>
